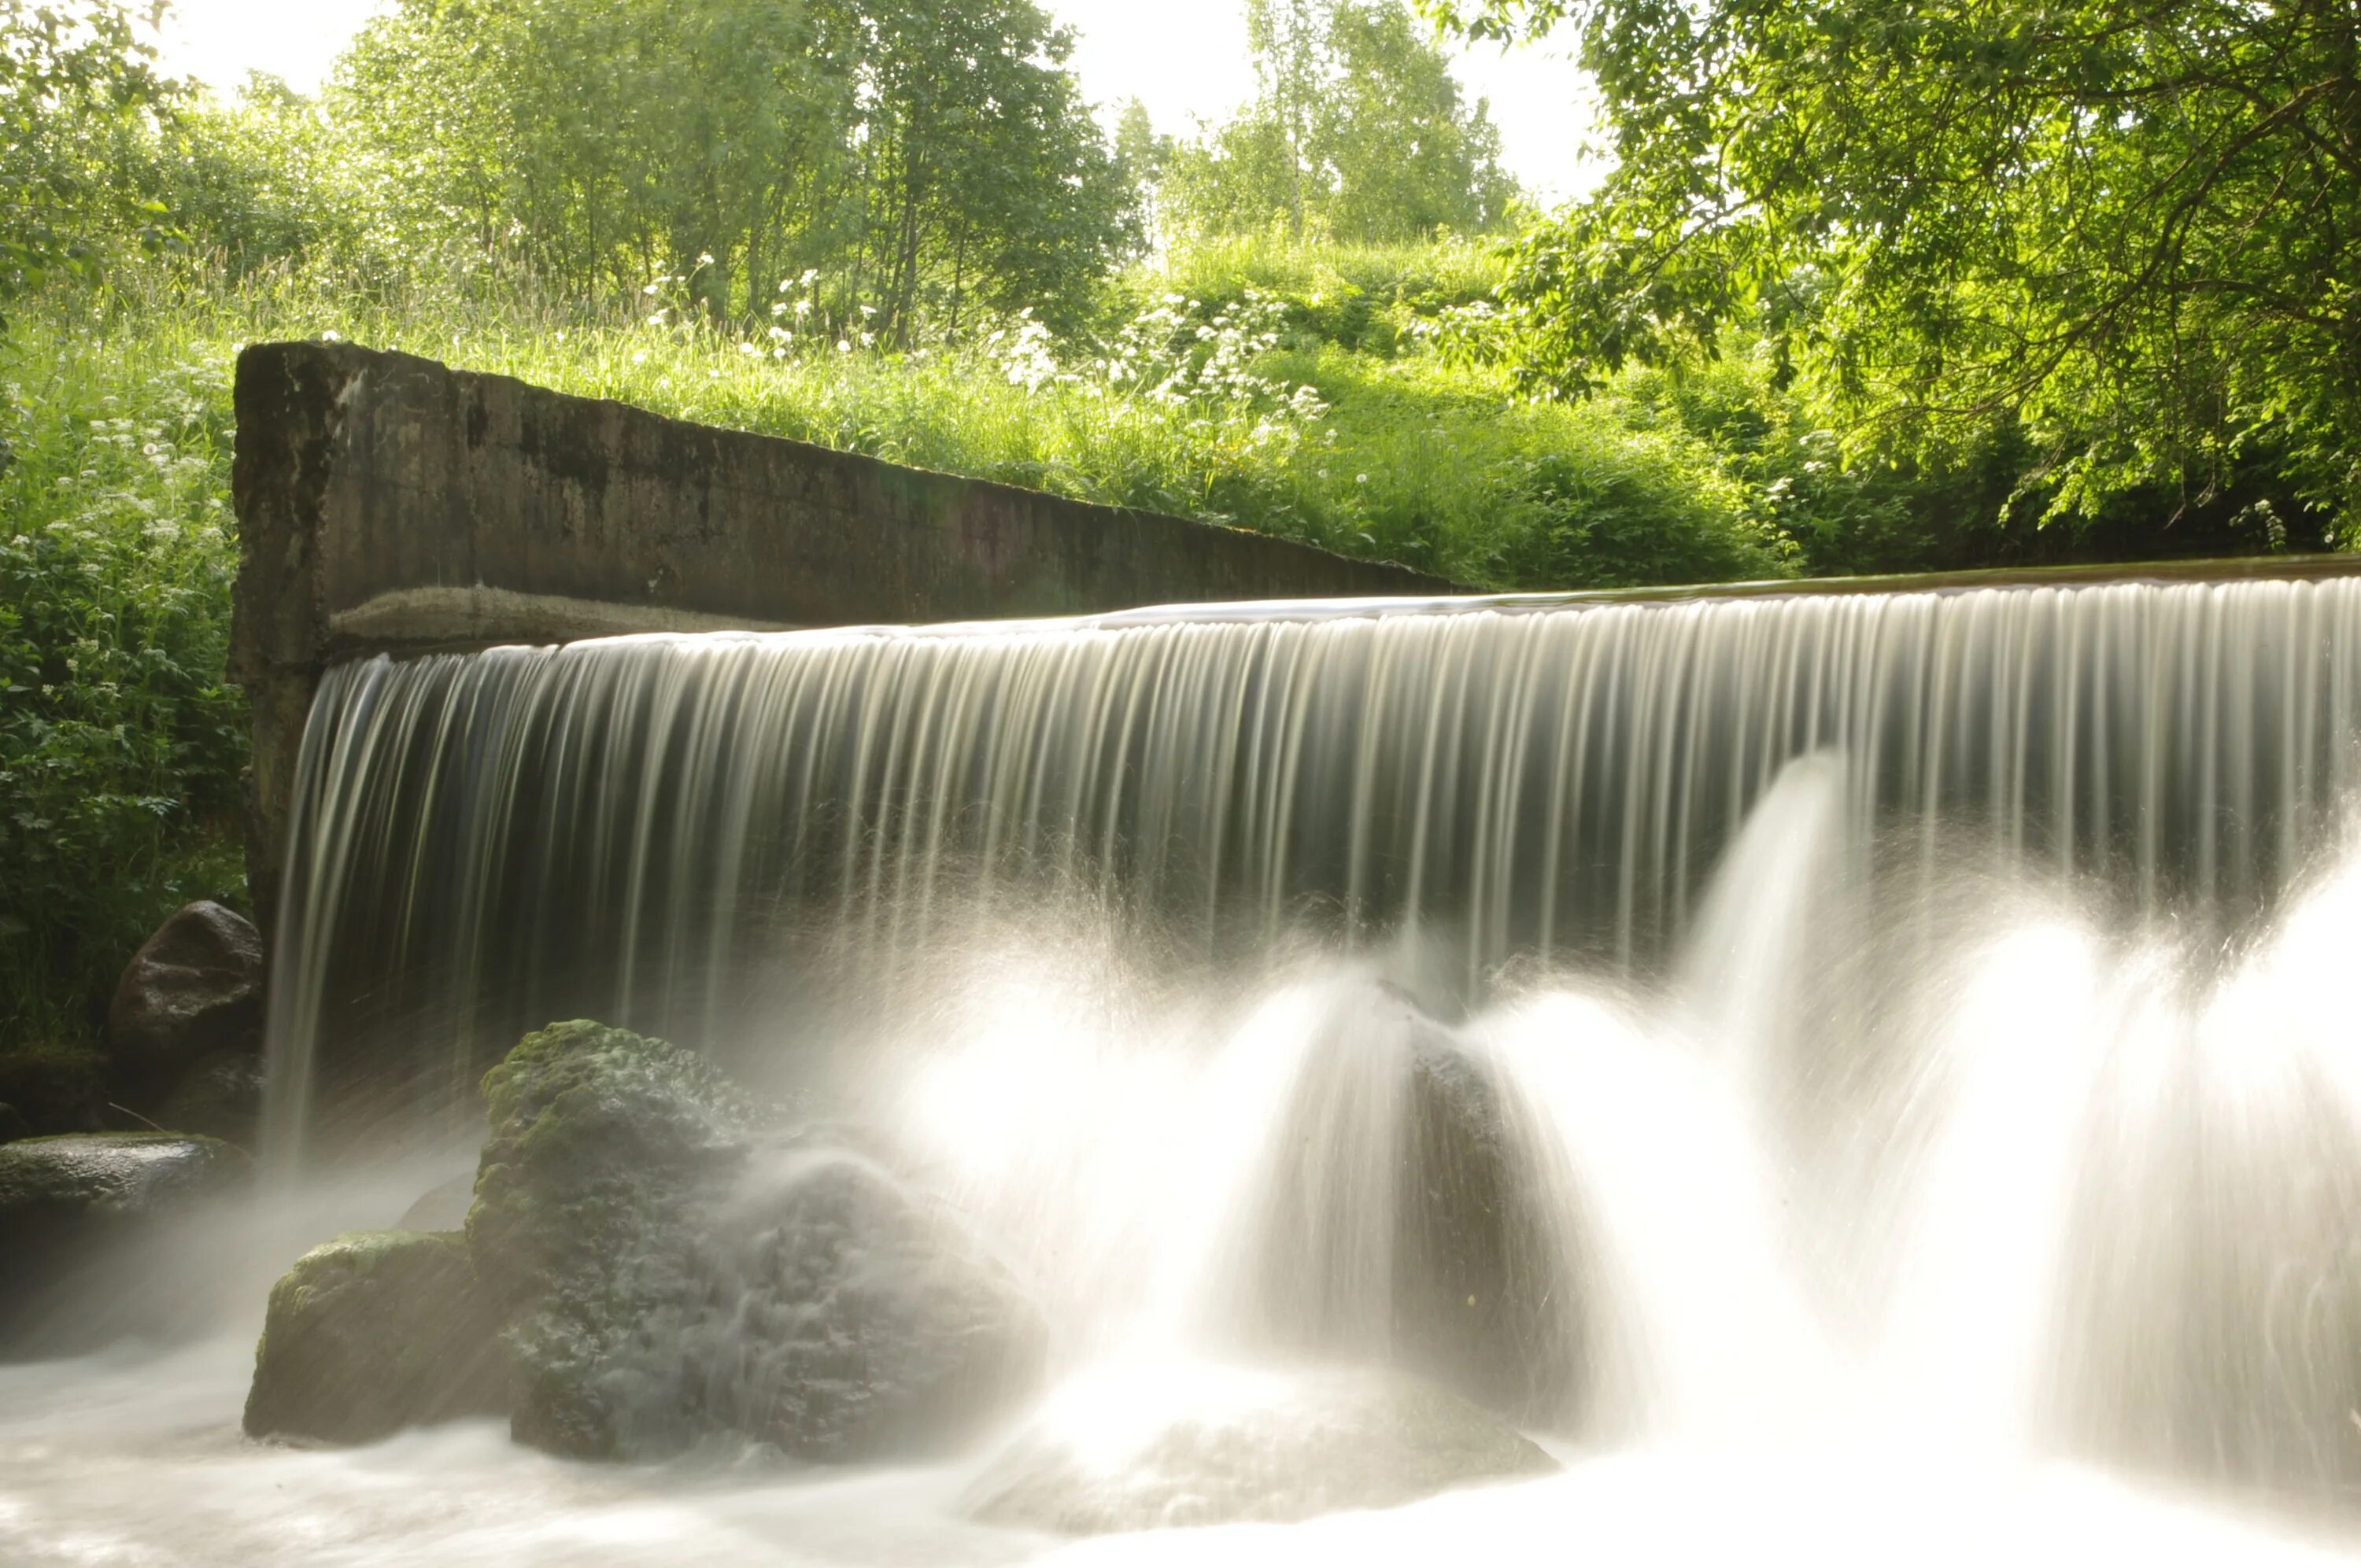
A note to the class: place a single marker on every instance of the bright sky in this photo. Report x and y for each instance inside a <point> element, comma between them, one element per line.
<point>1181,58</point>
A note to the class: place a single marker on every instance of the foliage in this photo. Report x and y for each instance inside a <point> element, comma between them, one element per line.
<point>1384,300</point>
<point>258,180</point>
<point>1358,133</point>
<point>928,156</point>
<point>77,88</point>
<point>2128,233</point>
<point>120,742</point>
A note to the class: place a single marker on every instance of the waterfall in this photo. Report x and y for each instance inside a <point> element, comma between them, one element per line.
<point>1909,1013</point>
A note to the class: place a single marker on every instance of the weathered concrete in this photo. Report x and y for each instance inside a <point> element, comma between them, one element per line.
<point>389,503</point>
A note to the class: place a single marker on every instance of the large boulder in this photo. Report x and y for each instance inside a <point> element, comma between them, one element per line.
<point>861,1320</point>
<point>373,1332</point>
<point>1157,1447</point>
<point>193,988</point>
<point>605,1152</point>
<point>72,1204</point>
<point>667,1276</point>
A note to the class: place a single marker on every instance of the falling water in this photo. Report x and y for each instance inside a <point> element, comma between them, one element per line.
<point>1880,1035</point>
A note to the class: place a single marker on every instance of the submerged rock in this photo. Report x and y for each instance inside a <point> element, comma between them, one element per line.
<point>193,988</point>
<point>1167,1447</point>
<point>860,1320</point>
<point>1483,1297</point>
<point>373,1332</point>
<point>605,1150</point>
<point>1403,1221</point>
<point>69,1201</point>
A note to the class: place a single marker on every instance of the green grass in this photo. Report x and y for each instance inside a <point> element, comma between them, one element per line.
<point>1417,461</point>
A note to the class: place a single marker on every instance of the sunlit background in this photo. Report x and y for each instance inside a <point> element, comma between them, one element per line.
<point>1184,63</point>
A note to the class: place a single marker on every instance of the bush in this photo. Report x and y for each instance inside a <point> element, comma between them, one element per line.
<point>120,741</point>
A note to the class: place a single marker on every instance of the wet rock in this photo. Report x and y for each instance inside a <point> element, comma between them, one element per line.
<point>666,1278</point>
<point>68,1202</point>
<point>220,1096</point>
<point>1482,1293</point>
<point>1166,1447</point>
<point>193,988</point>
<point>606,1150</point>
<point>373,1332</point>
<point>1403,1223</point>
<point>12,1125</point>
<point>53,1089</point>
<point>861,1319</point>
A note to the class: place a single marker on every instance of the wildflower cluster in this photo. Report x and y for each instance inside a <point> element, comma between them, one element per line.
<point>1174,352</point>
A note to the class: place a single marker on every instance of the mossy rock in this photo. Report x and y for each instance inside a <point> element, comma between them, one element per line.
<point>667,1274</point>
<point>863,1322</point>
<point>373,1332</point>
<point>605,1147</point>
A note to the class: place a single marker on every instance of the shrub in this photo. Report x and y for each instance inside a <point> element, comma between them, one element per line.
<point>120,741</point>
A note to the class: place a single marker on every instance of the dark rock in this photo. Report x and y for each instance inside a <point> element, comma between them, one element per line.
<point>53,1089</point>
<point>220,1097</point>
<point>1482,1301</point>
<point>67,1202</point>
<point>1401,1225</point>
<point>443,1207</point>
<point>12,1125</point>
<point>374,1333</point>
<point>1205,1446</point>
<point>862,1320</point>
<point>606,1149</point>
<point>194,988</point>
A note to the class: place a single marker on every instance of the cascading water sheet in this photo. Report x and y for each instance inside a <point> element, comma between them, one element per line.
<point>612,828</point>
<point>1893,1030</point>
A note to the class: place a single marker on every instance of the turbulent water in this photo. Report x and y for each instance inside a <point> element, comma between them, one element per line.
<point>1914,1029</point>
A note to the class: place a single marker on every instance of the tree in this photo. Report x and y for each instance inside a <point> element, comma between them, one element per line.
<point>78,91</point>
<point>1410,155</point>
<point>2132,229</point>
<point>920,154</point>
<point>1357,130</point>
<point>606,141</point>
<point>1142,156</point>
<point>986,180</point>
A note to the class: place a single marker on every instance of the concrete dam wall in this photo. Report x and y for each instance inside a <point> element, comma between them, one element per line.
<point>387,503</point>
